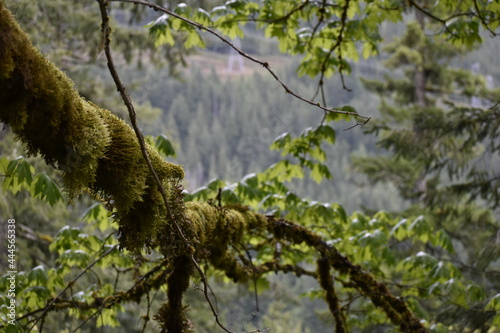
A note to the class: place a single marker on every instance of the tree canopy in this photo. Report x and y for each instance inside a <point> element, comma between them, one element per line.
<point>395,269</point>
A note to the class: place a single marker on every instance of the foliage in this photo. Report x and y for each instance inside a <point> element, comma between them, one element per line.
<point>435,150</point>
<point>244,230</point>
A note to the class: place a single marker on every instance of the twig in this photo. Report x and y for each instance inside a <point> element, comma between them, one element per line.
<point>483,21</point>
<point>97,312</point>
<point>434,17</point>
<point>495,105</point>
<point>243,54</point>
<point>254,278</point>
<point>443,21</point>
<point>357,124</point>
<point>146,317</point>
<point>343,19</point>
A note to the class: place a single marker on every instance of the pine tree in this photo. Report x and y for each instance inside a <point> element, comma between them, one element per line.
<point>442,152</point>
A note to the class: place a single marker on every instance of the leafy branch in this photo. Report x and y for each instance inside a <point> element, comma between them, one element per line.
<point>444,21</point>
<point>343,22</point>
<point>68,286</point>
<point>243,54</point>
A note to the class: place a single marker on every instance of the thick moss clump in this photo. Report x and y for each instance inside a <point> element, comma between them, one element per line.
<point>95,150</point>
<point>42,107</point>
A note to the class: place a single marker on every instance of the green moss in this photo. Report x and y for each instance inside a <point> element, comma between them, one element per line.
<point>204,219</point>
<point>94,149</point>
<point>255,220</point>
<point>235,224</point>
<point>98,151</point>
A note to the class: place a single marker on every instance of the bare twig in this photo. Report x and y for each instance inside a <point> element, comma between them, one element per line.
<point>357,124</point>
<point>495,105</point>
<point>243,54</point>
<point>254,277</point>
<point>146,317</point>
<point>343,20</point>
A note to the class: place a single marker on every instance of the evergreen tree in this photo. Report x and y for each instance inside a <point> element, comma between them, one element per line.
<point>442,160</point>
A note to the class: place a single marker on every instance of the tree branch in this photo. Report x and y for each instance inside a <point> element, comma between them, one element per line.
<point>243,54</point>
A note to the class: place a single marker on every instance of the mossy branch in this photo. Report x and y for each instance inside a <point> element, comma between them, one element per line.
<point>326,282</point>
<point>172,314</point>
<point>95,150</point>
<point>98,152</point>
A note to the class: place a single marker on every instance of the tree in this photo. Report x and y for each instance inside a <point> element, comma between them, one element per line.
<point>431,126</point>
<point>99,154</point>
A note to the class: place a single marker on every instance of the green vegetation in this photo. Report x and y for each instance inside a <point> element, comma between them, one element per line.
<point>124,256</point>
<point>433,131</point>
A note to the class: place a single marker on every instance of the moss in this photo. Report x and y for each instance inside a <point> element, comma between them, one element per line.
<point>172,315</point>
<point>204,218</point>
<point>42,107</point>
<point>216,227</point>
<point>98,151</point>
<point>326,282</point>
<point>235,224</point>
<point>95,149</point>
<point>255,220</point>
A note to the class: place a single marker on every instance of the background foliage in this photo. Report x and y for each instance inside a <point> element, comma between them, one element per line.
<point>422,216</point>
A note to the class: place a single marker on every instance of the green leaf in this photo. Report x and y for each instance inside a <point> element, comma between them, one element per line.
<point>340,213</point>
<point>421,229</point>
<point>70,258</point>
<point>38,276</point>
<point>369,49</point>
<point>21,169</point>
<point>35,297</point>
<point>229,196</point>
<point>262,285</point>
<point>202,17</point>
<point>108,317</point>
<point>399,230</point>
<point>16,328</point>
<point>475,293</point>
<point>320,171</point>
<point>18,175</point>
<point>47,190</point>
<point>335,116</point>
<point>494,303</point>
<point>327,133</point>
<point>65,239</point>
<point>281,141</point>
<point>99,215</point>
<point>441,238</point>
<point>215,184</point>
<point>194,40</point>
<point>164,146</point>
<point>165,38</point>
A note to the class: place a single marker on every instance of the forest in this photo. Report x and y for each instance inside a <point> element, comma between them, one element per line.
<point>249,166</point>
